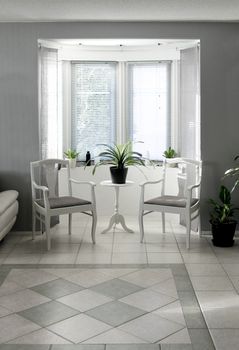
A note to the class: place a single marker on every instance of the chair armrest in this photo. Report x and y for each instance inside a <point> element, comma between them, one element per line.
<point>92,186</point>
<point>190,188</point>
<point>143,184</point>
<point>90,183</point>
<point>41,188</point>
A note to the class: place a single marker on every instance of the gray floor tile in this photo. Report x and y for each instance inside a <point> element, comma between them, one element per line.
<point>225,339</point>
<point>194,318</point>
<point>151,328</point>
<point>176,347</point>
<point>22,300</point>
<point>48,313</point>
<point>115,336</point>
<point>183,283</point>
<point>115,313</point>
<point>57,288</point>
<point>201,339</point>
<point>14,326</point>
<point>133,347</point>
<point>79,328</point>
<point>188,299</point>
<point>40,336</point>
<point>116,288</point>
<point>24,347</point>
<point>77,347</point>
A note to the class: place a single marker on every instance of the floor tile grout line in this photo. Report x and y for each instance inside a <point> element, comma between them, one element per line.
<point>78,252</point>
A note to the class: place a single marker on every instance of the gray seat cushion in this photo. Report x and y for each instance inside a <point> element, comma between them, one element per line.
<point>172,201</point>
<point>63,202</point>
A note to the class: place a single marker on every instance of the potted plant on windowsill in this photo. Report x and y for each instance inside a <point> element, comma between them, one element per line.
<point>71,155</point>
<point>222,219</point>
<point>170,153</point>
<point>119,157</point>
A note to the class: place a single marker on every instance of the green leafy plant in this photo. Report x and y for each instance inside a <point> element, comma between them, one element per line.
<point>71,154</point>
<point>223,210</point>
<point>169,153</point>
<point>119,156</point>
<point>233,172</point>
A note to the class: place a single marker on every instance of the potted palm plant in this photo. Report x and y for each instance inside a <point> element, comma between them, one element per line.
<point>119,157</point>
<point>222,219</point>
<point>71,155</point>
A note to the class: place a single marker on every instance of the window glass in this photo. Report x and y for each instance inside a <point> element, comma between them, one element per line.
<point>149,91</point>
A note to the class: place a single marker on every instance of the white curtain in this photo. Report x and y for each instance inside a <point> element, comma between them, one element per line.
<point>190,103</point>
<point>49,127</point>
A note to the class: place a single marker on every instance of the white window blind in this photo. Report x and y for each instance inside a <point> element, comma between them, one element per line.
<point>149,96</point>
<point>50,130</point>
<point>93,105</point>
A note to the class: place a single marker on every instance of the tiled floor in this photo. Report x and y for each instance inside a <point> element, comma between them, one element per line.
<point>118,290</point>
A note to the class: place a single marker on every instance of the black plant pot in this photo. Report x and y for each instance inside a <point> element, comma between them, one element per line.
<point>118,175</point>
<point>223,234</point>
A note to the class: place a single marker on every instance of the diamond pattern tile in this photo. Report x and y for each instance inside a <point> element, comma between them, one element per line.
<point>13,326</point>
<point>41,336</point>
<point>79,328</point>
<point>89,278</point>
<point>151,328</point>
<point>30,277</point>
<point>57,288</point>
<point>116,288</point>
<point>48,313</point>
<point>125,308</point>
<point>147,299</point>
<point>148,277</point>
<point>84,300</point>
<point>115,313</point>
<point>24,299</point>
<point>116,336</point>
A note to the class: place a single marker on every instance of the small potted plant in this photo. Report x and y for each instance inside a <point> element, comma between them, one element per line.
<point>71,155</point>
<point>170,153</point>
<point>222,219</point>
<point>120,157</point>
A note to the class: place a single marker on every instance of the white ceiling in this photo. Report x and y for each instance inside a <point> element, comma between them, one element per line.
<point>118,10</point>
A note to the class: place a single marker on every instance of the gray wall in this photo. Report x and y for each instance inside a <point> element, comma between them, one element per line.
<point>19,102</point>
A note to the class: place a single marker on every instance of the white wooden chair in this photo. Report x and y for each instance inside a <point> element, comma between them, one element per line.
<point>46,202</point>
<point>186,203</point>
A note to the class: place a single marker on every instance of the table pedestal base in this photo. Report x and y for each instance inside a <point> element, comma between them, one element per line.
<point>117,219</point>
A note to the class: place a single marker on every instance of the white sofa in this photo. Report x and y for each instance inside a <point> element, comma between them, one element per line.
<point>8,211</point>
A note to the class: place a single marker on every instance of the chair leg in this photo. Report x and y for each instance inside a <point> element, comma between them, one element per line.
<point>93,228</point>
<point>33,223</point>
<point>163,222</point>
<point>70,224</point>
<point>188,230</point>
<point>48,232</point>
<point>141,226</point>
<point>199,227</point>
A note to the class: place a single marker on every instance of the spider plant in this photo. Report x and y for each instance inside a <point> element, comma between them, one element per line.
<point>119,156</point>
<point>233,172</point>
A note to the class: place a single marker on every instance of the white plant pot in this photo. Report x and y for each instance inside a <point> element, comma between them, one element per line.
<point>72,163</point>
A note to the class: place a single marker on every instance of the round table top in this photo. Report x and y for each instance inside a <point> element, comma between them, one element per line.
<point>110,183</point>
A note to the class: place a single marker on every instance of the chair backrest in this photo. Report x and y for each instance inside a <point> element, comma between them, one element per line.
<point>189,173</point>
<point>45,173</point>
